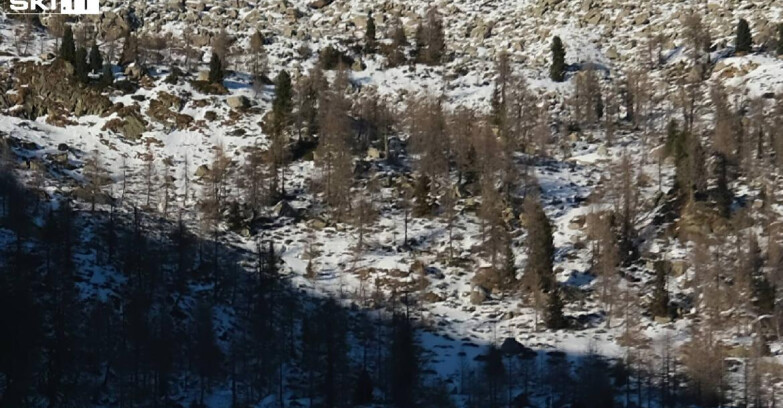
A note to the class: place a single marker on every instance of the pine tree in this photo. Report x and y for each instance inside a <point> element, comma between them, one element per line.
<point>554,317</point>
<point>723,195</point>
<point>206,350</point>
<point>436,38</point>
<point>96,60</point>
<point>558,68</point>
<point>68,48</point>
<point>404,362</point>
<point>780,39</point>
<point>363,391</point>
<point>539,244</point>
<point>370,42</point>
<point>495,372</point>
<point>216,73</point>
<point>421,196</point>
<point>282,106</point>
<point>81,69</point>
<point>660,301</point>
<point>744,41</point>
<point>107,75</point>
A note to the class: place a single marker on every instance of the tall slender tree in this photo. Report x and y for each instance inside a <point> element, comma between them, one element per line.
<point>744,40</point>
<point>68,47</point>
<point>370,41</point>
<point>558,68</point>
<point>96,60</point>
<point>216,73</point>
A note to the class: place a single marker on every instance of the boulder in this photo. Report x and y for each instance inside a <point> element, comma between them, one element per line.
<point>482,31</point>
<point>319,4</point>
<point>203,76</point>
<point>431,297</point>
<point>60,158</point>
<point>129,122</point>
<point>662,319</point>
<point>679,267</point>
<point>360,22</point>
<point>611,53</point>
<point>134,72</point>
<point>284,209</point>
<point>238,101</point>
<point>358,66</point>
<point>478,295</point>
<point>373,153</point>
<point>202,170</point>
<point>317,223</point>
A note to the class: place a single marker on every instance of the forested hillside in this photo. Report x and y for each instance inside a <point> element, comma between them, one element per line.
<point>339,203</point>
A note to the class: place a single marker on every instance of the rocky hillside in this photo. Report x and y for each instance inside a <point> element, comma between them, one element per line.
<point>394,228</point>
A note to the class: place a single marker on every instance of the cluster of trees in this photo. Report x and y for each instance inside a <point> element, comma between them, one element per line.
<point>85,63</point>
<point>429,41</point>
<point>164,331</point>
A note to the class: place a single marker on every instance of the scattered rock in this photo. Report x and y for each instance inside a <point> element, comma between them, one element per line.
<point>431,297</point>
<point>478,295</point>
<point>317,223</point>
<point>284,209</point>
<point>238,102</point>
<point>202,170</point>
<point>319,4</point>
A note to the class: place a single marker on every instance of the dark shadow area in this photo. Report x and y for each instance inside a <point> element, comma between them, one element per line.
<point>121,307</point>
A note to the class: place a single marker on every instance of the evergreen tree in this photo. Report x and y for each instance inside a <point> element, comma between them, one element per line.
<point>744,41</point>
<point>370,42</point>
<point>68,48</point>
<point>216,73</point>
<point>107,75</point>
<point>206,350</point>
<point>554,317</point>
<point>96,60</point>
<point>764,294</point>
<point>404,363</point>
<point>363,392</point>
<point>282,106</point>
<point>780,39</point>
<point>81,69</point>
<point>558,67</point>
<point>436,38</point>
<point>723,196</point>
<point>495,373</point>
<point>539,244</point>
<point>660,301</point>
<point>421,196</point>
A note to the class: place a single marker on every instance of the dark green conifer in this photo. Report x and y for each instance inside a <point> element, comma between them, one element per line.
<point>744,41</point>
<point>96,60</point>
<point>216,73</point>
<point>68,48</point>
<point>558,68</point>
